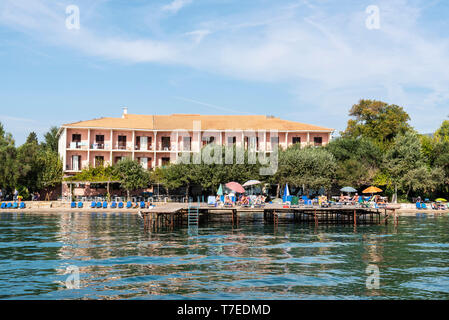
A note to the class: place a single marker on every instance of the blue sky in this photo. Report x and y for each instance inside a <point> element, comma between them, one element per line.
<point>308,61</point>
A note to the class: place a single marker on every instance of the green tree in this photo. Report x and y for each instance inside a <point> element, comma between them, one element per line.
<point>442,134</point>
<point>359,160</point>
<point>52,170</point>
<point>132,175</point>
<point>310,167</point>
<point>422,179</point>
<point>28,166</point>
<point>405,161</point>
<point>51,139</point>
<point>377,120</point>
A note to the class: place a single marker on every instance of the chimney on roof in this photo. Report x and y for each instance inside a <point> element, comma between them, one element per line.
<point>125,112</point>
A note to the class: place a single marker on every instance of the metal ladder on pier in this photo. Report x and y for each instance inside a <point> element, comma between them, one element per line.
<point>193,215</point>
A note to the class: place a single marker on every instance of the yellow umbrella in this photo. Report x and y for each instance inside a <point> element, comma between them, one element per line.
<point>372,190</point>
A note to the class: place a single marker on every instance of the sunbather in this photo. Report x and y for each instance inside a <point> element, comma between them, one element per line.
<point>227,201</point>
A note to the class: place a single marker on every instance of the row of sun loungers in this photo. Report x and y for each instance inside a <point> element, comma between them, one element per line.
<point>112,205</point>
<point>13,205</point>
<point>423,206</point>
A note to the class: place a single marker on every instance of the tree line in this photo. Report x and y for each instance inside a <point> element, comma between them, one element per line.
<point>32,167</point>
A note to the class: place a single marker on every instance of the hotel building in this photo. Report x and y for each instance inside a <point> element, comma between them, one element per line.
<point>156,140</point>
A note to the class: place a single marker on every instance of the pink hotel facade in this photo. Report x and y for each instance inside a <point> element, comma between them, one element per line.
<point>156,140</point>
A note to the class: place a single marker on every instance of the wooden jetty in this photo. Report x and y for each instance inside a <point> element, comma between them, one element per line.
<point>173,214</point>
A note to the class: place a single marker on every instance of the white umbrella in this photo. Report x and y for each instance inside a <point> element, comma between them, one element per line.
<point>251,183</point>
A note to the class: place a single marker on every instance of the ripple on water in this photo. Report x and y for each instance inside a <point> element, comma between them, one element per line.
<point>117,259</point>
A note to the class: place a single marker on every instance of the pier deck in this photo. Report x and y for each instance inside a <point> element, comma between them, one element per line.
<point>178,213</point>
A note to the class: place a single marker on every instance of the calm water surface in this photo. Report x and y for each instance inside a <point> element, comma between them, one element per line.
<point>118,260</point>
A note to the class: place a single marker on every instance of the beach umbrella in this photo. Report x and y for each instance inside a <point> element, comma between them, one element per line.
<point>440,200</point>
<point>372,190</point>
<point>220,190</point>
<point>235,186</point>
<point>286,193</point>
<point>251,183</point>
<point>348,189</point>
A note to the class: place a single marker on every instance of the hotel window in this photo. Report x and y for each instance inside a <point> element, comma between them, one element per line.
<point>186,143</point>
<point>99,161</point>
<point>252,142</point>
<point>296,140</point>
<point>144,161</point>
<point>165,161</point>
<point>207,140</point>
<point>232,141</point>
<point>165,143</point>
<point>99,142</point>
<point>318,141</point>
<point>76,163</point>
<point>117,159</point>
<point>76,141</point>
<point>121,142</point>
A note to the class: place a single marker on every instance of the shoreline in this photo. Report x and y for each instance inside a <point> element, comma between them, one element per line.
<point>61,209</point>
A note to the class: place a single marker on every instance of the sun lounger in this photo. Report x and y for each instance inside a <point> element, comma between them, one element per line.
<point>93,204</point>
<point>22,205</point>
<point>99,205</point>
<point>15,205</point>
<point>211,202</point>
<point>105,205</point>
<point>73,205</point>
<point>9,205</point>
<point>423,206</point>
<point>113,205</point>
<point>142,205</point>
<point>80,204</point>
<point>3,206</point>
<point>418,206</point>
<point>129,205</point>
<point>120,205</point>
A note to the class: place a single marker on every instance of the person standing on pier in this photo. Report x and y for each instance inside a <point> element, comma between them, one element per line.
<point>16,194</point>
<point>1,195</point>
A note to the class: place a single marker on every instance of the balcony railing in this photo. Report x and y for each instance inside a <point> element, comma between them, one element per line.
<point>139,148</point>
<point>69,167</point>
<point>98,146</point>
<point>121,146</point>
<point>77,145</point>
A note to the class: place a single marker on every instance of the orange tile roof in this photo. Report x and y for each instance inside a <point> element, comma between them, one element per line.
<point>208,122</point>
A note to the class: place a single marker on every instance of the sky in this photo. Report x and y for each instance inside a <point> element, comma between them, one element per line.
<point>304,60</point>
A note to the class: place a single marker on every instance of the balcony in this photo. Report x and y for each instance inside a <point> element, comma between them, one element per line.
<point>98,146</point>
<point>69,167</point>
<point>77,145</point>
<point>164,147</point>
<point>139,148</point>
<point>122,146</point>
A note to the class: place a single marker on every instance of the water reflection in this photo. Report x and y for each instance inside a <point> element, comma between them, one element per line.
<point>117,259</point>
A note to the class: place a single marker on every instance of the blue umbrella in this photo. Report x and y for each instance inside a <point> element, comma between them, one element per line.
<point>286,193</point>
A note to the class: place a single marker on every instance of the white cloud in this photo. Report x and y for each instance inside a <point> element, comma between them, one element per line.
<point>325,56</point>
<point>198,35</point>
<point>176,5</point>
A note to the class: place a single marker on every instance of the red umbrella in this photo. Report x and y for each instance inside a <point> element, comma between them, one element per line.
<point>235,186</point>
